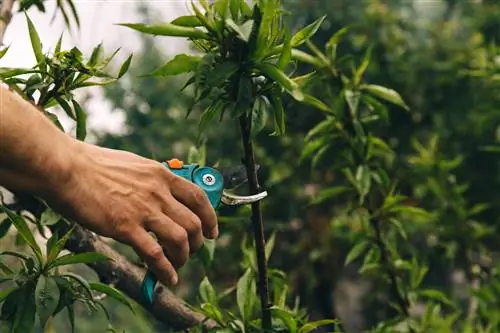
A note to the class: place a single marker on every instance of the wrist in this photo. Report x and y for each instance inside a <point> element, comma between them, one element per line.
<point>46,170</point>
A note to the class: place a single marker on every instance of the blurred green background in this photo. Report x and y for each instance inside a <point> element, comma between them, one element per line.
<point>441,58</point>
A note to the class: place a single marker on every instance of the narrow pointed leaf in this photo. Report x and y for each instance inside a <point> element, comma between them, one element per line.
<point>125,66</point>
<point>187,21</point>
<point>167,29</point>
<point>307,32</point>
<point>180,64</point>
<point>387,94</point>
<point>113,293</point>
<point>81,258</point>
<point>47,295</point>
<point>35,40</point>
<point>24,231</point>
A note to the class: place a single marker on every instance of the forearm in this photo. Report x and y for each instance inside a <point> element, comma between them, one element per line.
<point>35,156</point>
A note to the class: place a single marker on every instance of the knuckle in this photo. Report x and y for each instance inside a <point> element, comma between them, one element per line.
<point>154,253</point>
<point>180,238</point>
<point>194,228</point>
<point>198,196</point>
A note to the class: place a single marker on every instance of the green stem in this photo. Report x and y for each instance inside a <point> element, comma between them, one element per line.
<point>401,297</point>
<point>258,227</point>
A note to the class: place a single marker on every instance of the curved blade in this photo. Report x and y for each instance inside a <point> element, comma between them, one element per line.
<point>235,176</point>
<point>233,200</point>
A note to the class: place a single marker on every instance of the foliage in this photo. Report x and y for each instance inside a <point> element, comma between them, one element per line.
<point>387,174</point>
<point>42,287</point>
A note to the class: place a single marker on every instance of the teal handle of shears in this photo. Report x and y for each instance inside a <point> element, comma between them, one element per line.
<point>210,181</point>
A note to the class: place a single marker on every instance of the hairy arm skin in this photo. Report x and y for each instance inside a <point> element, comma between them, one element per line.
<point>111,192</point>
<point>35,156</point>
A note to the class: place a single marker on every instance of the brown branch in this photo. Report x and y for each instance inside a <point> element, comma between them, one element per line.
<point>124,275</point>
<point>127,277</point>
<point>5,17</point>
<point>258,228</point>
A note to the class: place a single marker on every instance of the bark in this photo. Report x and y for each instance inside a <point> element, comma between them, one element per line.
<point>124,275</point>
<point>6,15</point>
<point>258,226</point>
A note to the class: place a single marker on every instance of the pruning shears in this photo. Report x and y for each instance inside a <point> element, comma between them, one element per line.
<point>215,184</point>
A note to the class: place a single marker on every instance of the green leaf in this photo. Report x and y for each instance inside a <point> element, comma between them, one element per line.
<point>363,181</point>
<point>81,121</point>
<point>242,31</point>
<point>25,310</point>
<point>81,258</point>
<point>71,317</point>
<point>210,113</point>
<point>332,43</point>
<point>167,29</point>
<point>278,76</point>
<point>286,55</point>
<point>181,63</point>
<point>58,246</point>
<point>207,292</point>
<point>24,231</point>
<point>222,72</point>
<point>286,317</point>
<point>269,246</point>
<point>356,251</point>
<point>279,115</point>
<point>81,281</point>
<point>362,67</point>
<point>387,94</point>
<point>113,293</point>
<point>315,324</point>
<point>4,293</point>
<point>206,253</point>
<point>65,106</point>
<point>125,66</point>
<point>245,294</point>
<point>352,98</point>
<point>313,101</point>
<point>187,21</point>
<point>15,254</point>
<point>46,297</point>
<point>35,40</point>
<point>234,7</point>
<point>303,80</point>
<point>5,226</point>
<point>307,32</point>
<point>436,295</point>
<point>49,217</point>
<point>259,116</point>
<point>4,51</point>
<point>329,193</point>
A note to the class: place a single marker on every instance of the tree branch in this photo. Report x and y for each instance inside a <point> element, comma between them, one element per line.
<point>258,228</point>
<point>124,275</point>
<point>5,17</point>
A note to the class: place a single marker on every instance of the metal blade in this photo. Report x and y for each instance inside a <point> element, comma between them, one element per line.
<point>234,200</point>
<point>235,176</point>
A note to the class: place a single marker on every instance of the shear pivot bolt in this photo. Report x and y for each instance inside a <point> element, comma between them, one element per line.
<point>208,179</point>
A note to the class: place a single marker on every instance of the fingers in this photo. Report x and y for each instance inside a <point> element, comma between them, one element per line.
<point>152,253</point>
<point>184,218</point>
<point>194,198</point>
<point>174,239</point>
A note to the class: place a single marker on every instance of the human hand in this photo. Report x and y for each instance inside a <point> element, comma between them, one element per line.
<point>124,196</point>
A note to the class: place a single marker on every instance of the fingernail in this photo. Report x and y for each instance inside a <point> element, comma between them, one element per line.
<point>174,280</point>
<point>215,232</point>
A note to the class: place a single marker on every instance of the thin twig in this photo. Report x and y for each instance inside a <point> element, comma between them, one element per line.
<point>258,227</point>
<point>401,297</point>
<point>5,17</point>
